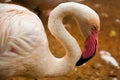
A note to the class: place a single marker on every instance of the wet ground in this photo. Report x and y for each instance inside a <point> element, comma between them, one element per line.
<point>109,37</point>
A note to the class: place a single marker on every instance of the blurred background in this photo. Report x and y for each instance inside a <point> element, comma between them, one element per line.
<point>100,67</point>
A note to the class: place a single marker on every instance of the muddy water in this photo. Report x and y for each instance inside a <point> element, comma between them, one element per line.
<point>109,40</point>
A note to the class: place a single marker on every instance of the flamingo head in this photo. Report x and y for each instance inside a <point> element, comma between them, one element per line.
<point>90,28</point>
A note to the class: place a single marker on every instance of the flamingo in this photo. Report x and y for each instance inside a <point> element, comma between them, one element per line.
<point>24,48</point>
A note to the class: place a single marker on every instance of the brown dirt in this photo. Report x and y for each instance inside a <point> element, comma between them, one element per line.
<point>109,11</point>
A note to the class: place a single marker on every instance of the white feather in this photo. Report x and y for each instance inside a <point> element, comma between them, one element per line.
<point>109,59</point>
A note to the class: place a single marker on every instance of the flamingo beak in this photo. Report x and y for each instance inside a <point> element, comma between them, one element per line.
<point>91,46</point>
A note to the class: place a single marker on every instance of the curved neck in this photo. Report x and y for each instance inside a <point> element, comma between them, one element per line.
<point>56,27</point>
<point>82,14</point>
<point>70,44</point>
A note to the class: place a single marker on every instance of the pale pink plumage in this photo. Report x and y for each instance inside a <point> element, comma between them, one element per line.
<point>24,48</point>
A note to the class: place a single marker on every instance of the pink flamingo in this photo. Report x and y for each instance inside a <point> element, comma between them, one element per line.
<point>24,48</point>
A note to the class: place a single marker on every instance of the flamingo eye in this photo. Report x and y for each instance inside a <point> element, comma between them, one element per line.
<point>94,27</point>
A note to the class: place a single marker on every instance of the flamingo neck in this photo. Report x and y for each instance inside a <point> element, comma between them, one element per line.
<point>57,29</point>
<point>63,65</point>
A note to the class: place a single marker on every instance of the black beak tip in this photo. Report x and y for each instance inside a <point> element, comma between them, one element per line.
<point>82,61</point>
